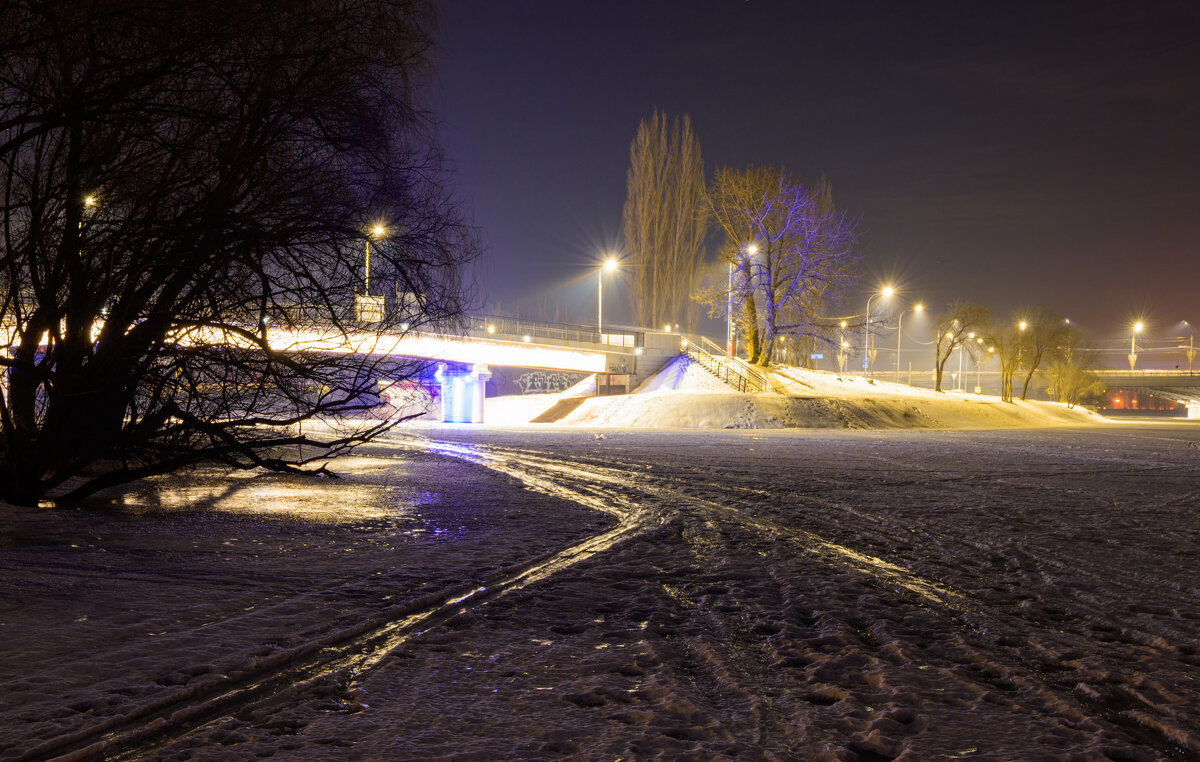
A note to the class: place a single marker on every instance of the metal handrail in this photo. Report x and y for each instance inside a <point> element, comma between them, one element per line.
<point>724,369</point>
<point>746,368</point>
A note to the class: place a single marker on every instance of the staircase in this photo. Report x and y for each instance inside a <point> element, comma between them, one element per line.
<point>559,410</point>
<point>728,369</point>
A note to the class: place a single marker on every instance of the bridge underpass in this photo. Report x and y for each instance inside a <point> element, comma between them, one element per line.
<point>1181,386</point>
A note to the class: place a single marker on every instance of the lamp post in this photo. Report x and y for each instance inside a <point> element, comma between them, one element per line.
<point>376,232</point>
<point>886,292</point>
<point>960,380</point>
<point>751,249</point>
<point>842,345</point>
<point>992,351</point>
<point>1067,330</point>
<point>1191,350</point>
<point>1137,327</point>
<point>978,370</point>
<point>899,328</point>
<point>367,308</point>
<point>610,265</point>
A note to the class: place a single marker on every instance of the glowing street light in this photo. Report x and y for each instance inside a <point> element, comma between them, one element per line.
<point>1190,353</point>
<point>367,308</point>
<point>610,265</point>
<point>899,327</point>
<point>885,293</point>
<point>1137,328</point>
<point>377,232</point>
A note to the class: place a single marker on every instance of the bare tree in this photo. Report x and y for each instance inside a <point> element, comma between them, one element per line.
<point>954,328</point>
<point>1072,379</point>
<point>1070,372</point>
<point>1007,340</point>
<point>665,220</point>
<point>187,195</point>
<point>1044,330</point>
<point>790,254</point>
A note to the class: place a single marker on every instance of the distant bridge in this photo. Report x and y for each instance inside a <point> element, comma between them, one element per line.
<point>1181,386</point>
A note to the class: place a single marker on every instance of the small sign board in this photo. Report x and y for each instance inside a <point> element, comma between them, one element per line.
<point>368,309</point>
<point>817,356</point>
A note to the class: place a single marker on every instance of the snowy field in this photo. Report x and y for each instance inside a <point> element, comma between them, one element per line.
<point>542,593</point>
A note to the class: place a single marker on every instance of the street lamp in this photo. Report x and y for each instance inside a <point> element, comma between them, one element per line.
<point>962,377</point>
<point>1067,329</point>
<point>367,308</point>
<point>978,371</point>
<point>610,265</point>
<point>1137,327</point>
<point>899,327</point>
<point>377,232</point>
<point>841,358</point>
<point>886,292</point>
<point>1191,350</point>
<point>751,250</point>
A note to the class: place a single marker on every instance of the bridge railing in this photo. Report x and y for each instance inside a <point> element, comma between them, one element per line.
<point>1147,372</point>
<point>494,325</point>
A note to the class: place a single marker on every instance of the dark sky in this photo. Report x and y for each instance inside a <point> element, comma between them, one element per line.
<point>1011,153</point>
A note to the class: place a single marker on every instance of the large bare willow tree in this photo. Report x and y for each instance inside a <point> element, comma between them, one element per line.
<point>790,254</point>
<point>187,194</point>
<point>665,220</point>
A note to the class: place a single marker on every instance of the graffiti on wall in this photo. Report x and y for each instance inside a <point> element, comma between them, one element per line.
<point>547,382</point>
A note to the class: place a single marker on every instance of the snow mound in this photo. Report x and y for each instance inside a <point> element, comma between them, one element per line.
<point>682,375</point>
<point>684,395</point>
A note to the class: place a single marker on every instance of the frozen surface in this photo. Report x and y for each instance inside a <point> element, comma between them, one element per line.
<point>774,594</point>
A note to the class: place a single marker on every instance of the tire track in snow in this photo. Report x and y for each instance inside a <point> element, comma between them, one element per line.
<point>602,487</point>
<point>1132,706</point>
<point>350,652</point>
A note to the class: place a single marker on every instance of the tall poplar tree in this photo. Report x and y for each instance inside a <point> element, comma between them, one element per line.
<point>665,220</point>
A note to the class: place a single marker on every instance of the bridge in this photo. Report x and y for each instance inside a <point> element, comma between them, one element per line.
<point>625,356</point>
<point>487,340</point>
<point>1181,386</point>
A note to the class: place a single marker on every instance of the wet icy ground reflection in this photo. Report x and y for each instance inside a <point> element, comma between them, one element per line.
<point>359,494</point>
<point>187,578</point>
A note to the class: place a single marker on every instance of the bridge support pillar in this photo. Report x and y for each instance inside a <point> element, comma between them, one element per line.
<point>463,393</point>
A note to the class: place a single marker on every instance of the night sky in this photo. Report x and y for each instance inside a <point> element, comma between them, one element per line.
<point>1010,153</point>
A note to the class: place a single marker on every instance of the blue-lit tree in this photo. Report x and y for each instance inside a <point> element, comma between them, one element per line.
<point>790,252</point>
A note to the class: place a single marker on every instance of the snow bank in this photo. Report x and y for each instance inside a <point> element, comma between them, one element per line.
<point>683,395</point>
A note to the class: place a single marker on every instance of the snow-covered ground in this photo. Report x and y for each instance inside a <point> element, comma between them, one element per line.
<point>491,593</point>
<point>683,395</point>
